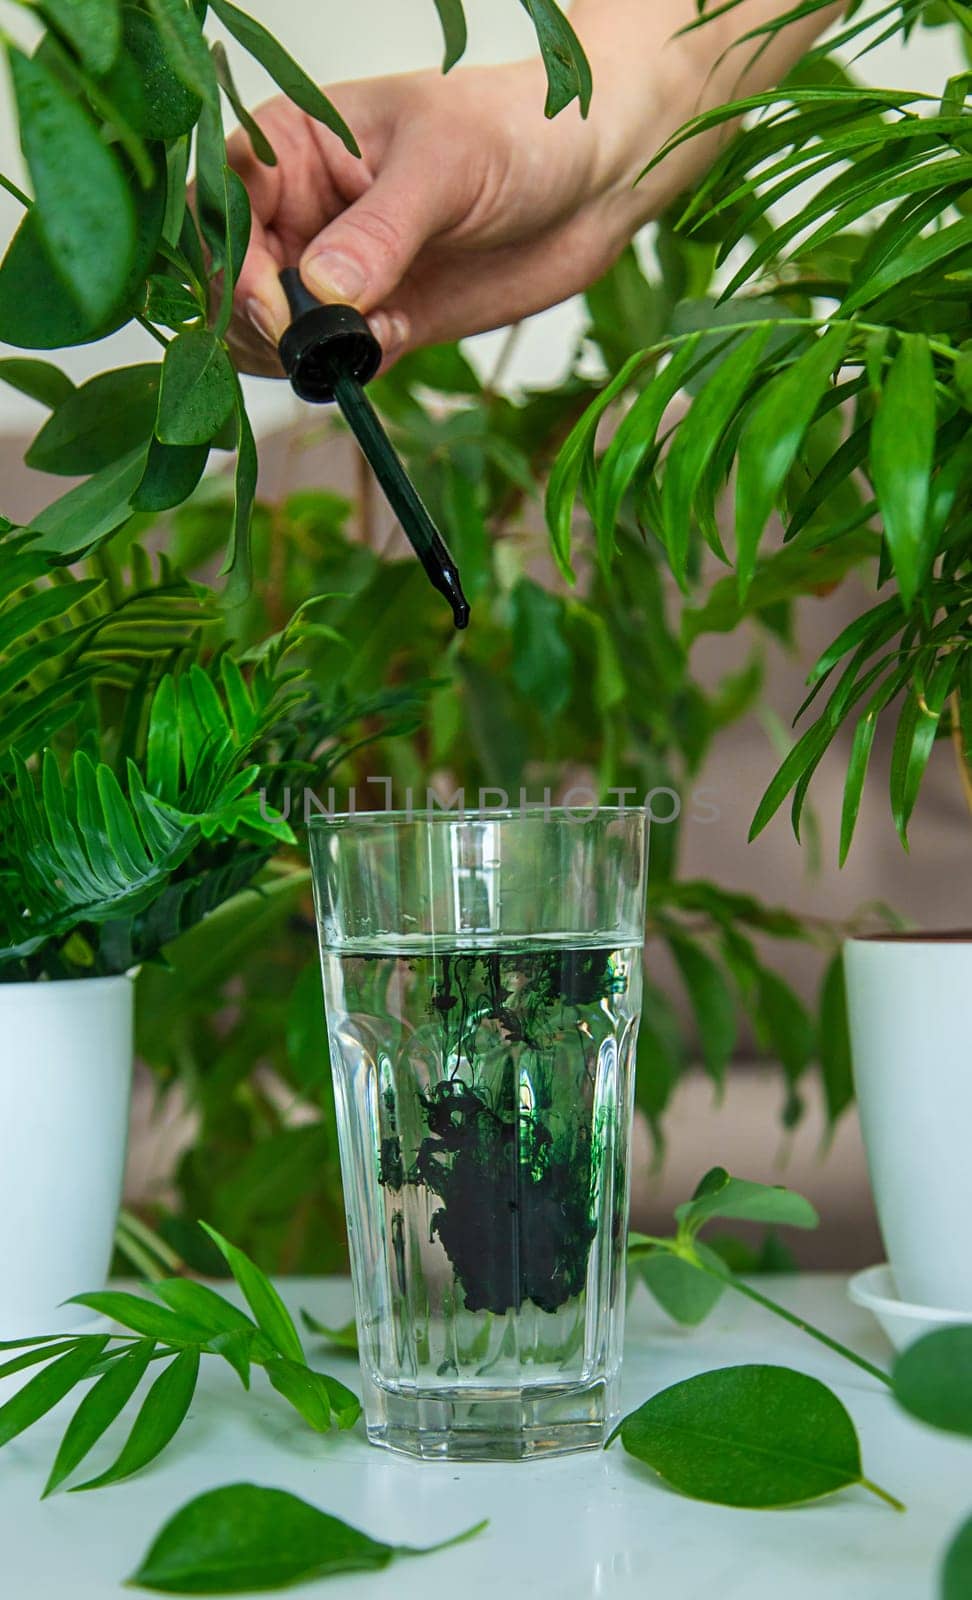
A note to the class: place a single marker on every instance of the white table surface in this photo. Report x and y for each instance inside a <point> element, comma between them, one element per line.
<point>580,1527</point>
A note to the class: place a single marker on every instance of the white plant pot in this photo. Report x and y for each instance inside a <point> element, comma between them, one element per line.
<point>910,1011</point>
<point>65,1085</point>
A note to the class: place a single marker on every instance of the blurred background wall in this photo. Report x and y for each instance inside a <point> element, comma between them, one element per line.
<point>932,888</point>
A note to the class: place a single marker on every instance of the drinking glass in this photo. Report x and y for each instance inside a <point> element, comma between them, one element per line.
<point>482,982</point>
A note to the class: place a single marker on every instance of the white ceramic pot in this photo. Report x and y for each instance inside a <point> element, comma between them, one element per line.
<point>910,1009</point>
<point>65,1085</point>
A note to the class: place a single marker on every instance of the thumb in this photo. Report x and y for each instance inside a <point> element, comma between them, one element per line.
<point>361,257</point>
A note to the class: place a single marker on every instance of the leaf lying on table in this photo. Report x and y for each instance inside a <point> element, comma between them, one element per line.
<point>242,1537</point>
<point>193,1320</point>
<point>755,1436</point>
<point>933,1379</point>
<point>957,1569</point>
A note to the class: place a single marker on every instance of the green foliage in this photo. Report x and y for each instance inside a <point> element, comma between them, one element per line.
<point>192,1321</point>
<point>838,391</point>
<point>243,1538</point>
<point>755,1436</point>
<point>933,1379</point>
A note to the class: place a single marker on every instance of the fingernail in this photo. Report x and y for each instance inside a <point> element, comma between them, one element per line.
<point>335,278</point>
<point>380,327</point>
<point>261,320</point>
<point>398,332</point>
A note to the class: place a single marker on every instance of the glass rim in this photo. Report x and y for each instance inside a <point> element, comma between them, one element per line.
<point>574,814</point>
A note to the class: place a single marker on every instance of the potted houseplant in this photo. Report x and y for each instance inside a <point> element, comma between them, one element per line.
<point>128,756</point>
<point>837,388</point>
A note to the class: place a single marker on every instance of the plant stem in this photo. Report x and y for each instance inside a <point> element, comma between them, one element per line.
<point>882,1494</point>
<point>797,1322</point>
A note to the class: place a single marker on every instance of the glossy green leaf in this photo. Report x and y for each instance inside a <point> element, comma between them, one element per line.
<point>932,1379</point>
<point>98,1410</point>
<point>159,1419</point>
<point>198,389</point>
<point>915,260</point>
<point>181,35</point>
<point>83,209</point>
<point>754,1436</point>
<point>574,455</point>
<point>42,1351</point>
<point>956,1582</point>
<point>171,473</point>
<point>243,1538</point>
<point>720,1195</point>
<point>635,436</point>
<point>202,1306</point>
<point>157,102</point>
<point>567,67</point>
<point>771,439</point>
<point>712,1000</point>
<point>143,1316</point>
<point>901,455</point>
<point>697,438</point>
<point>93,27</point>
<point>44,1391</point>
<point>914,739</point>
<point>262,148</point>
<point>269,1310</point>
<point>84,516</point>
<point>283,69</point>
<point>106,418</point>
<point>319,1399</point>
<point>453,20</point>
<point>169,304</point>
<point>37,379</point>
<point>681,1289</point>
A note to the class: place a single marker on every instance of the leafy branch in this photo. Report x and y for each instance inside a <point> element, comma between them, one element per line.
<point>191,1321</point>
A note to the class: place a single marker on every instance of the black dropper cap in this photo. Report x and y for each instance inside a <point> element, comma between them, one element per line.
<point>329,353</point>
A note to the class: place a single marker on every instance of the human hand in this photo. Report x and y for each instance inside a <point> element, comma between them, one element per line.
<point>467,210</point>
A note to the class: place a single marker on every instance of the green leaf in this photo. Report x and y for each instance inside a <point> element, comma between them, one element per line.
<point>696,440</point>
<point>93,426</point>
<point>143,1316</point>
<point>932,1379</point>
<point>914,261</point>
<point>44,1391</point>
<point>198,389</point>
<point>202,1306</point>
<point>453,20</point>
<point>914,739</point>
<point>157,102</point>
<point>262,1298</point>
<point>754,1436</point>
<point>262,148</point>
<point>84,516</point>
<point>171,473</point>
<point>573,457</point>
<point>33,1357</point>
<point>37,379</point>
<point>345,1338</point>
<point>957,1570</point>
<point>772,437</point>
<point>567,67</point>
<point>93,27</point>
<point>634,438</point>
<point>901,456</point>
<point>835,1051</point>
<point>243,1538</point>
<point>238,560</point>
<point>83,209</point>
<point>181,34</point>
<point>98,1410</point>
<point>719,1195</point>
<point>681,1289</point>
<point>319,1399</point>
<point>284,71</point>
<point>542,659</point>
<point>162,1413</point>
<point>712,1000</point>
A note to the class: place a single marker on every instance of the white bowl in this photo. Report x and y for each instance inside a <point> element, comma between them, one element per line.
<point>903,1323</point>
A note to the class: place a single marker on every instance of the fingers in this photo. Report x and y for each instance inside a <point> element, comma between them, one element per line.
<point>362,256</point>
